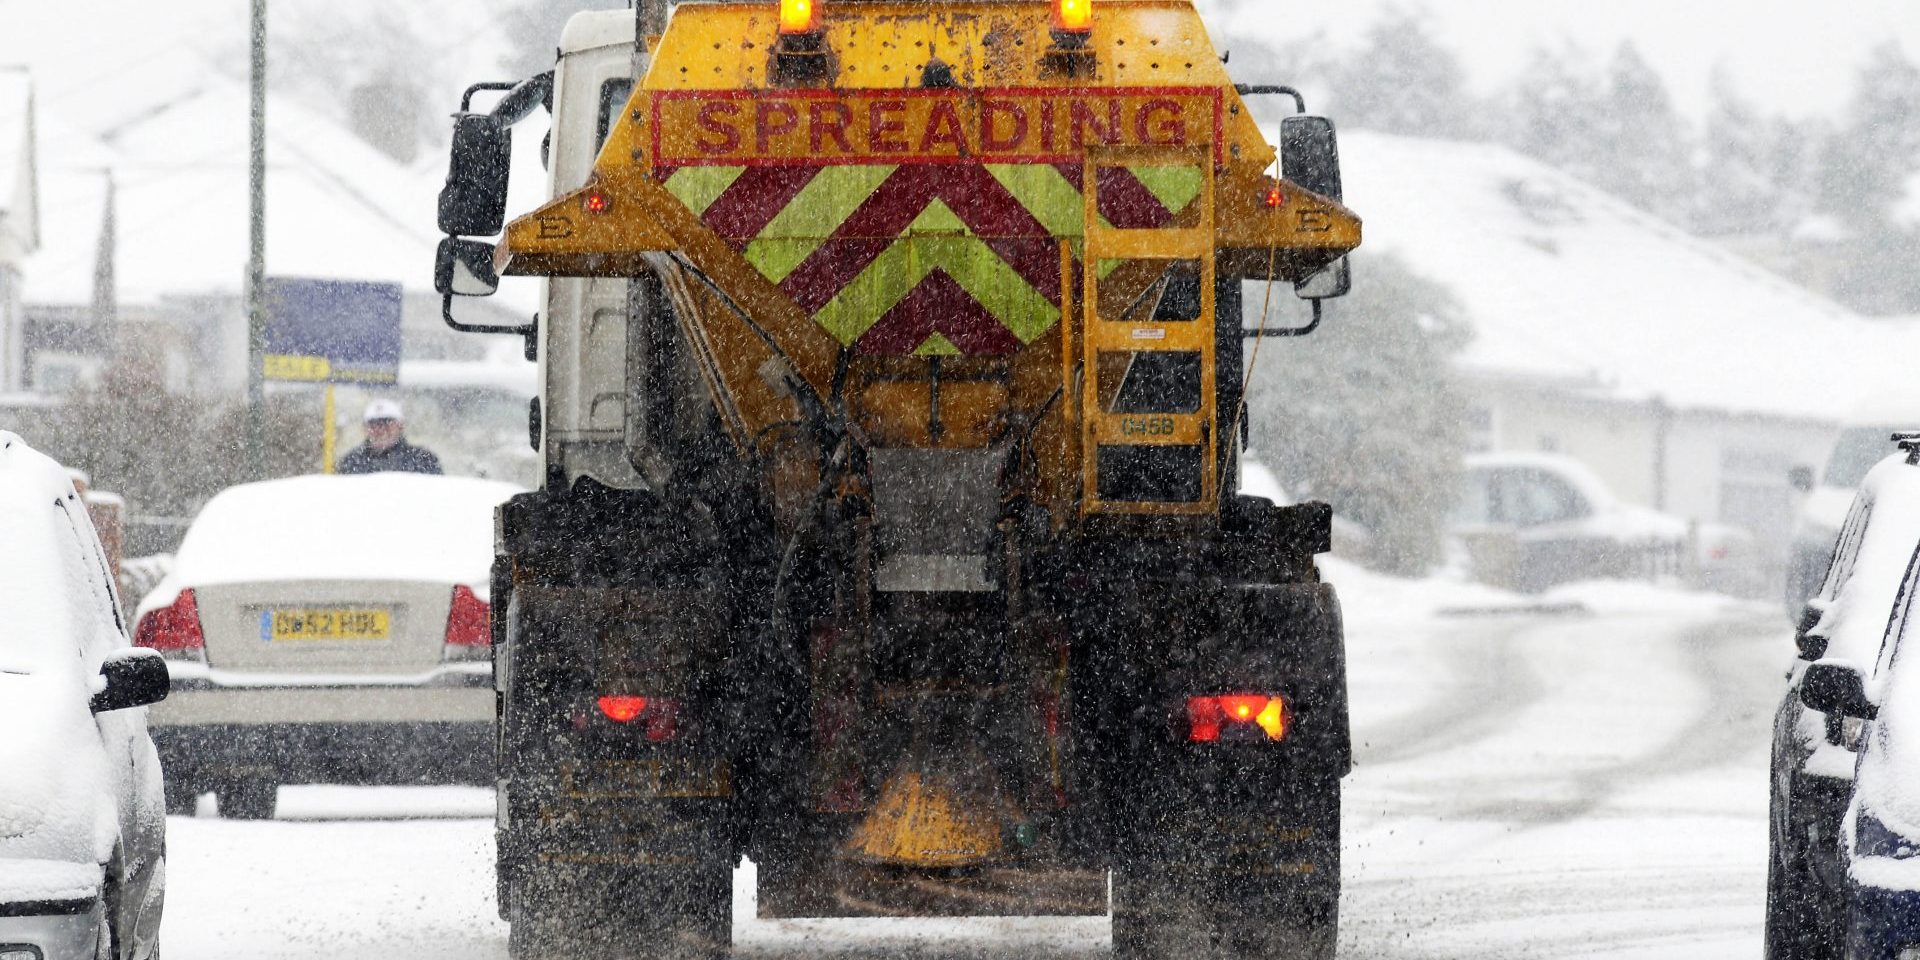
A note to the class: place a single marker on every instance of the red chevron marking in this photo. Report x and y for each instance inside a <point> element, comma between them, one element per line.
<point>752,201</point>
<point>938,305</point>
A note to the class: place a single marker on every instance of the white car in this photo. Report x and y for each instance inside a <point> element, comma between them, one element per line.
<point>1531,521</point>
<point>82,829</point>
<point>327,630</point>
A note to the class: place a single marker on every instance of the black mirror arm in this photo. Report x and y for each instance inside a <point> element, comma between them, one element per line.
<point>529,331</point>
<point>1272,90</point>
<point>522,96</point>
<point>1318,315</point>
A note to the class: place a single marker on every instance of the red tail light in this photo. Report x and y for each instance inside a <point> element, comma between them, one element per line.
<point>1251,715</point>
<point>468,622</point>
<point>662,717</point>
<point>173,630</point>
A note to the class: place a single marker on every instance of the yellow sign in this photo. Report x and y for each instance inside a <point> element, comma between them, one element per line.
<point>297,625</point>
<point>280,366</point>
<point>733,127</point>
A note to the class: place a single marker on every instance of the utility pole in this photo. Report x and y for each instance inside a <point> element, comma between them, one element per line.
<point>257,261</point>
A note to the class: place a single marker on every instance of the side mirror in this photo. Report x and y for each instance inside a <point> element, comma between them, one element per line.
<point>1812,646</point>
<point>464,268</point>
<point>1310,155</point>
<point>1801,478</point>
<point>1333,281</point>
<point>1837,690</point>
<point>474,201</point>
<point>134,678</point>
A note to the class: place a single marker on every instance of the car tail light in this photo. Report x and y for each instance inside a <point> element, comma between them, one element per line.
<point>469,626</point>
<point>660,717</point>
<point>1073,16</point>
<point>799,17</point>
<point>1236,716</point>
<point>174,630</point>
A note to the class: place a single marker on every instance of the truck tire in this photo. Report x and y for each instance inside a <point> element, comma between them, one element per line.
<point>1222,898</point>
<point>562,911</point>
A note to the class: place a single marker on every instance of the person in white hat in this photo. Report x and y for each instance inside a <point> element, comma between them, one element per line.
<point>386,449</point>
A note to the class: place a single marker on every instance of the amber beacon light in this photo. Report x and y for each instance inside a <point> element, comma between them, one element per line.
<point>1073,16</point>
<point>801,17</point>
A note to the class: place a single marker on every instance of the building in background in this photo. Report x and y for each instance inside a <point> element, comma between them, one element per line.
<point>19,217</point>
<point>1689,379</point>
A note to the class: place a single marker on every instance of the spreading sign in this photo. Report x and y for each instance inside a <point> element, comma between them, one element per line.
<point>333,331</point>
<point>924,126</point>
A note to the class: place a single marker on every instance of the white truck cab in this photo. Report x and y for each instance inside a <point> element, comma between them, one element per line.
<point>584,343</point>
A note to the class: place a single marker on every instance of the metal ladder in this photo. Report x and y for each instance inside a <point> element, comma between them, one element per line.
<point>1159,453</point>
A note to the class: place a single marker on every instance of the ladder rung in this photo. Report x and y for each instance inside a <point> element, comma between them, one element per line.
<point>1163,244</point>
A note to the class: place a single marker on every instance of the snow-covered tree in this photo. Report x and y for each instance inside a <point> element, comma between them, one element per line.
<point>1738,193</point>
<point>1402,80</point>
<point>1642,151</point>
<point>1366,413</point>
<point>1877,151</point>
<point>1555,110</point>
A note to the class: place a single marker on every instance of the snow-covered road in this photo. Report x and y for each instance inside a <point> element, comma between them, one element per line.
<point>1530,785</point>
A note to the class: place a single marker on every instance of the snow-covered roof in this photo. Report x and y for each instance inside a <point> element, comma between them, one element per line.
<point>172,129</point>
<point>1564,282</point>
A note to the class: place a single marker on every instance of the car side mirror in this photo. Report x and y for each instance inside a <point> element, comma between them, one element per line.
<point>1837,690</point>
<point>1310,155</point>
<point>1812,646</point>
<point>1801,478</point>
<point>1335,280</point>
<point>464,268</point>
<point>474,201</point>
<point>133,678</point>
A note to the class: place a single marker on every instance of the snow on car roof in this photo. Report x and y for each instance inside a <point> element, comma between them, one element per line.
<point>1860,601</point>
<point>387,526</point>
<point>40,567</point>
<point>1888,783</point>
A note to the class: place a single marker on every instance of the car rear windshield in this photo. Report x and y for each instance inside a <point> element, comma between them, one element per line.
<point>38,577</point>
<point>1857,451</point>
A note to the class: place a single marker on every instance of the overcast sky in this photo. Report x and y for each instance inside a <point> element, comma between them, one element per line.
<point>1798,54</point>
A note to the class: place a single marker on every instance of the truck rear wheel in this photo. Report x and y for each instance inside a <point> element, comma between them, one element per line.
<point>564,911</point>
<point>1264,885</point>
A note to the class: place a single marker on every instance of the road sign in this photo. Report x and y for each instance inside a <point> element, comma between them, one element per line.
<point>332,331</point>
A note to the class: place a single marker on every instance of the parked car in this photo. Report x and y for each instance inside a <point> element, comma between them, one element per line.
<point>1861,445</point>
<point>1531,521</point>
<point>1814,756</point>
<point>82,831</point>
<point>327,629</point>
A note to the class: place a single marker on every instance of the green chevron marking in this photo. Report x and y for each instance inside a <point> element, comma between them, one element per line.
<point>699,187</point>
<point>1175,187</point>
<point>936,345</point>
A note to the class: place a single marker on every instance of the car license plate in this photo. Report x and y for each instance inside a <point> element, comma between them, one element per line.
<point>301,625</point>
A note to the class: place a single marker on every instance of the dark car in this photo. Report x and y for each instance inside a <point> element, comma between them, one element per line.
<point>1814,750</point>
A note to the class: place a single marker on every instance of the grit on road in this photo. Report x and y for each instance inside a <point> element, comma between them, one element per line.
<point>1535,785</point>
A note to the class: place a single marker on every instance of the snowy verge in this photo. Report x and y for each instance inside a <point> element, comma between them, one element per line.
<point>1369,596</point>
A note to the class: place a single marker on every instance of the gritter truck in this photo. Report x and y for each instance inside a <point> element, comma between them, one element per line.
<point>893,362</point>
